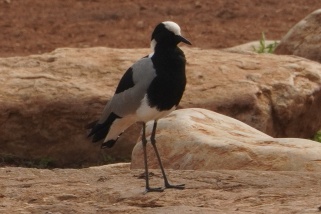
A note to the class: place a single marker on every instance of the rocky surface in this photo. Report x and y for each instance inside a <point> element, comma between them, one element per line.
<point>278,95</point>
<point>199,139</point>
<point>116,189</point>
<point>304,38</point>
<point>46,100</point>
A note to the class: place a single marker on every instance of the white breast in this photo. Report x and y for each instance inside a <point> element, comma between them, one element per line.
<point>146,113</point>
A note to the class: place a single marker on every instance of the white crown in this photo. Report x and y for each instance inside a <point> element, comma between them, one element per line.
<point>172,26</point>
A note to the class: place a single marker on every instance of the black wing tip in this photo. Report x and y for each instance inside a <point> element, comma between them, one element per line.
<point>91,125</point>
<point>108,144</point>
<point>94,140</point>
<point>99,131</point>
<point>90,134</point>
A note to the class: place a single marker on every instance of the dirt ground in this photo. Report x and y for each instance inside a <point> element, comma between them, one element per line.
<point>116,189</point>
<point>37,26</point>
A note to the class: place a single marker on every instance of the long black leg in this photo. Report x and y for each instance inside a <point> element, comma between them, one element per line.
<point>153,141</point>
<point>148,188</point>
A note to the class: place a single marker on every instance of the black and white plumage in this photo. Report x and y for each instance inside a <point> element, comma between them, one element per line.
<point>149,90</point>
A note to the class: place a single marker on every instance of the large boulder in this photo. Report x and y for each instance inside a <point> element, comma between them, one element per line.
<point>278,95</point>
<point>199,139</point>
<point>304,39</point>
<point>46,100</point>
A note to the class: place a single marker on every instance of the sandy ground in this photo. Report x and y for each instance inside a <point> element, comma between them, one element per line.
<point>116,189</point>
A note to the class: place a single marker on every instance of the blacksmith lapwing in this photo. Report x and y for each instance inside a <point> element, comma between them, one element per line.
<point>149,90</point>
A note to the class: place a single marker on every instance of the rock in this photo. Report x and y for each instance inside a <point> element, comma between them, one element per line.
<point>278,95</point>
<point>303,39</point>
<point>116,189</point>
<point>46,100</point>
<point>250,46</point>
<point>198,139</point>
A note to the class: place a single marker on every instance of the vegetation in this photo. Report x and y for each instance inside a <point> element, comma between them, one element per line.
<point>263,48</point>
<point>109,159</point>
<point>317,136</point>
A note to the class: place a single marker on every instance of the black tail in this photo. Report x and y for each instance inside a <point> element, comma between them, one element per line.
<point>100,130</point>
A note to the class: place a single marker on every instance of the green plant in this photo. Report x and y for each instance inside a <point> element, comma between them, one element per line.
<point>44,163</point>
<point>108,159</point>
<point>317,137</point>
<point>263,48</point>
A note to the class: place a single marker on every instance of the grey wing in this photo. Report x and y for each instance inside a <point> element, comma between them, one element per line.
<point>127,100</point>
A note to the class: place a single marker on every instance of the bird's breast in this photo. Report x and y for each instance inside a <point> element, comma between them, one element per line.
<point>167,88</point>
<point>146,113</point>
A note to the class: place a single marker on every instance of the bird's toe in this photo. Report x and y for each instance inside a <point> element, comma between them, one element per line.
<point>177,186</point>
<point>157,189</point>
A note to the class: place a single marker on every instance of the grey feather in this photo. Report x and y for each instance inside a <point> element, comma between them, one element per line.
<point>128,101</point>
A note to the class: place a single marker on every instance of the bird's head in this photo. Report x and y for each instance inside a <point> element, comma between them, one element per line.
<point>167,34</point>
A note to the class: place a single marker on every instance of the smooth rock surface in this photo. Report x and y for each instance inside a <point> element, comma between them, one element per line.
<point>199,139</point>
<point>303,39</point>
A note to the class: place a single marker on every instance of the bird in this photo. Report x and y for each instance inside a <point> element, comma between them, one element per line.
<point>148,91</point>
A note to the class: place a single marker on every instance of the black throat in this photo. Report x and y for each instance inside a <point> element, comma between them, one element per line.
<point>166,90</point>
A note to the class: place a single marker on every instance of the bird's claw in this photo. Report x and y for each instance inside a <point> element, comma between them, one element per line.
<point>178,186</point>
<point>157,189</point>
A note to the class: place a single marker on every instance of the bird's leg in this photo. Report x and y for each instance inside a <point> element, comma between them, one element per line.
<point>148,188</point>
<point>153,141</point>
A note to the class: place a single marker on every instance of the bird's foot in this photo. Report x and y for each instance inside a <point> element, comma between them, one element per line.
<point>157,189</point>
<point>177,186</point>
